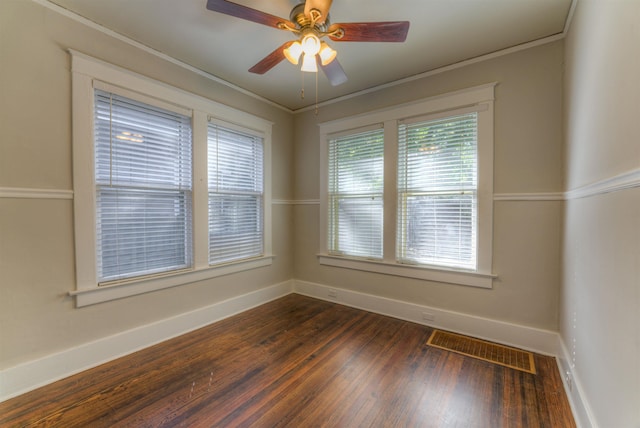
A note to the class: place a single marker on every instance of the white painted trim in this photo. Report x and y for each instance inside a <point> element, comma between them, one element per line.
<point>88,72</point>
<point>569,20</point>
<point>621,182</point>
<point>113,75</point>
<point>582,413</point>
<point>33,374</point>
<point>478,98</point>
<point>119,290</point>
<point>30,193</point>
<point>627,180</point>
<point>542,196</point>
<point>449,276</point>
<point>551,196</point>
<point>450,101</point>
<point>529,338</point>
<point>296,202</point>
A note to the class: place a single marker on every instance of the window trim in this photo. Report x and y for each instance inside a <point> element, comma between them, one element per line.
<point>85,71</point>
<point>478,98</point>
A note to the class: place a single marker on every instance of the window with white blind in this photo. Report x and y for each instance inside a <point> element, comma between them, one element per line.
<point>169,188</point>
<point>356,175</point>
<point>412,196</point>
<point>236,194</point>
<point>437,191</point>
<point>143,188</point>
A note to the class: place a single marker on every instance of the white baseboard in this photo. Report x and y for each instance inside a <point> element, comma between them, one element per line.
<point>532,339</point>
<point>580,407</point>
<point>536,340</point>
<point>34,374</point>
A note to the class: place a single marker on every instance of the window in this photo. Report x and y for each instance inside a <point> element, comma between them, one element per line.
<point>169,187</point>
<point>411,194</point>
<point>235,194</point>
<point>143,188</point>
<point>355,194</point>
<point>437,192</point>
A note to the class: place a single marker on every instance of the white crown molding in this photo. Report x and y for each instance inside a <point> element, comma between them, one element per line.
<point>444,69</point>
<point>120,37</point>
<point>569,20</point>
<point>627,180</point>
<point>71,15</point>
<point>30,193</point>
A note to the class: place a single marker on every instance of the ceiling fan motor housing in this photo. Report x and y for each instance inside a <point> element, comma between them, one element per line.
<point>298,16</point>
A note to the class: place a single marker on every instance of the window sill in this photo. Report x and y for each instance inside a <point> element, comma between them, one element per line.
<point>105,293</point>
<point>472,279</point>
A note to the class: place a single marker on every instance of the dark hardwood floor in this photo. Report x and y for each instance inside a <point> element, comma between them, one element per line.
<point>299,362</point>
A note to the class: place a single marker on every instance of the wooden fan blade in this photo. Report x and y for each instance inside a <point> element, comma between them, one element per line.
<point>334,72</point>
<point>321,5</point>
<point>244,12</point>
<point>392,31</point>
<point>270,60</point>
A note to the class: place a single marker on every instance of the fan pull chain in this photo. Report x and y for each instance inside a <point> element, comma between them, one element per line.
<point>316,94</point>
<point>302,90</point>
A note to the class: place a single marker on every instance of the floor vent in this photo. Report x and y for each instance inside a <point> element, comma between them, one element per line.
<point>483,350</point>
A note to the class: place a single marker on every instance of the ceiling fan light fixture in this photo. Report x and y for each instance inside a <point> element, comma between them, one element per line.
<point>309,63</point>
<point>310,44</point>
<point>293,52</point>
<point>327,54</point>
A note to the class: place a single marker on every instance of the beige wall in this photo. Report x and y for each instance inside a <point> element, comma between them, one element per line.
<point>37,317</point>
<point>528,160</point>
<point>597,313</point>
<point>600,303</point>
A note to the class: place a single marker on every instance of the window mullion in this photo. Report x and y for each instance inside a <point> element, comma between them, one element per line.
<point>390,192</point>
<point>200,192</point>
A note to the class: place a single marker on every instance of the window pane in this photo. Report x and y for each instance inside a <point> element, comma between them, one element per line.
<point>440,230</point>
<point>358,222</point>
<point>143,188</point>
<point>141,145</point>
<point>437,191</point>
<point>356,181</point>
<point>235,161</point>
<point>142,232</point>
<point>236,191</point>
<point>235,227</point>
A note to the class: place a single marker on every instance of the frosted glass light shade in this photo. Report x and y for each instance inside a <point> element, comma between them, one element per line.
<point>309,63</point>
<point>327,54</point>
<point>293,52</point>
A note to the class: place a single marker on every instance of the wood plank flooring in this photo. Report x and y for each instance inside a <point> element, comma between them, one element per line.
<point>299,362</point>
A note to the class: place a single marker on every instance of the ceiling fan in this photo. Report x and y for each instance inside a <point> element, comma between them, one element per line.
<point>309,21</point>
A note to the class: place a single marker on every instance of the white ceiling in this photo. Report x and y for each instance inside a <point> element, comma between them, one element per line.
<point>442,32</point>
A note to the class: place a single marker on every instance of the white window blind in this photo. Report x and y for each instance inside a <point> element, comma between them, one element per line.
<point>355,194</point>
<point>236,194</point>
<point>437,192</point>
<point>143,188</point>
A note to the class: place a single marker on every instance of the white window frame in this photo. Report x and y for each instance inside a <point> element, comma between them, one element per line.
<point>478,98</point>
<point>87,70</point>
